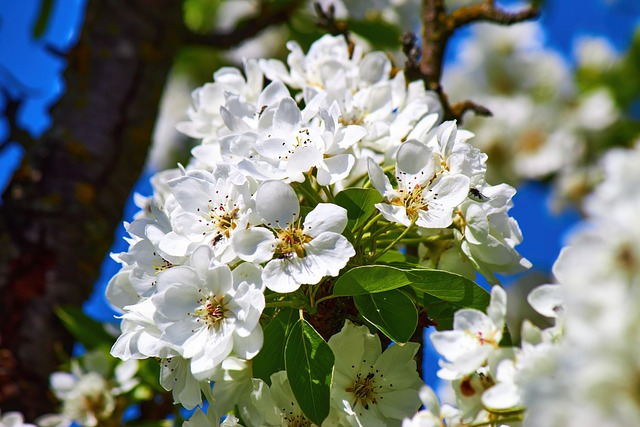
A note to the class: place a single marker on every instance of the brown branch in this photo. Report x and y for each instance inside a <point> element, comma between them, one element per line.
<point>327,20</point>
<point>490,13</point>
<point>246,29</point>
<point>458,109</point>
<point>437,28</point>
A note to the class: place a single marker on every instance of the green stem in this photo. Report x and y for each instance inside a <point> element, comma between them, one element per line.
<point>325,298</point>
<point>369,224</point>
<point>292,304</point>
<point>373,236</point>
<point>329,194</point>
<point>397,239</point>
<point>310,194</point>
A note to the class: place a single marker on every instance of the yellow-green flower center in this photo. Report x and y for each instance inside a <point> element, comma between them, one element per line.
<point>212,311</point>
<point>291,241</point>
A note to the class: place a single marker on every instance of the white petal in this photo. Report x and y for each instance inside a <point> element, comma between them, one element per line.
<point>395,213</point>
<point>414,157</point>
<point>477,224</point>
<point>174,244</point>
<point>256,244</point>
<point>335,168</point>
<point>277,276</point>
<point>325,217</point>
<point>277,204</point>
<point>273,93</point>
<point>248,347</point>
<point>248,272</point>
<point>332,252</point>
<point>546,300</point>
<point>502,397</point>
<point>497,309</point>
<point>453,344</point>
<point>379,180</point>
<point>303,159</point>
<point>287,116</point>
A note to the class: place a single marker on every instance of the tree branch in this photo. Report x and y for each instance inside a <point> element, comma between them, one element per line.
<point>458,109</point>
<point>490,13</point>
<point>265,18</point>
<point>327,20</point>
<point>437,28</point>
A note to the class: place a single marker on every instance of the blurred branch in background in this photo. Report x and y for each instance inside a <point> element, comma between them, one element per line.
<point>438,27</point>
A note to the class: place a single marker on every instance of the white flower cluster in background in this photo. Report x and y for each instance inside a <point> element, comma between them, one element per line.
<point>542,123</point>
<point>89,392</point>
<point>253,217</point>
<point>13,419</point>
<point>593,377</point>
<point>581,371</point>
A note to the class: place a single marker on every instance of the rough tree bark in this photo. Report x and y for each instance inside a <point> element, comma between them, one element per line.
<point>61,207</point>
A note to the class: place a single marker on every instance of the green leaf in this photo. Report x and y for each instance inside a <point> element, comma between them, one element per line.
<point>84,329</point>
<point>271,356</point>
<point>369,279</point>
<point>379,32</point>
<point>359,203</point>
<point>452,288</point>
<point>309,364</point>
<point>392,312</point>
<point>442,294</point>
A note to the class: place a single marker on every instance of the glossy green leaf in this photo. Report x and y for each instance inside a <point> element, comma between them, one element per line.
<point>392,312</point>
<point>309,364</point>
<point>359,203</point>
<point>442,294</point>
<point>370,279</point>
<point>84,329</point>
<point>271,356</point>
<point>456,290</point>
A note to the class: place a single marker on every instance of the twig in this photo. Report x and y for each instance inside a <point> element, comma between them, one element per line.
<point>327,20</point>
<point>246,29</point>
<point>488,12</point>
<point>458,109</point>
<point>437,28</point>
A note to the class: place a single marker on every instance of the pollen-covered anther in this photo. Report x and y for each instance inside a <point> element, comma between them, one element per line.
<point>291,241</point>
<point>222,220</point>
<point>412,200</point>
<point>364,389</point>
<point>161,266</point>
<point>212,311</point>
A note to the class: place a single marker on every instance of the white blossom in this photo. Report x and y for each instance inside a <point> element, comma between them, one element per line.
<point>206,312</point>
<point>380,387</point>
<point>295,254</point>
<point>474,337</point>
<point>423,196</point>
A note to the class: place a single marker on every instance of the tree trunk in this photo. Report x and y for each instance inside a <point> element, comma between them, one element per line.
<point>63,204</point>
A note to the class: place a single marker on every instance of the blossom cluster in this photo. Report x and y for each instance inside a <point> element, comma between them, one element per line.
<point>255,222</point>
<point>489,378</point>
<point>591,378</point>
<point>583,369</point>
